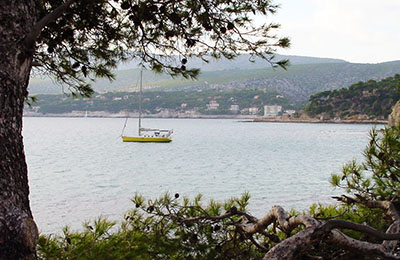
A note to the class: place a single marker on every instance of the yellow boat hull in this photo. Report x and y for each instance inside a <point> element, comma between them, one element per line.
<point>144,139</point>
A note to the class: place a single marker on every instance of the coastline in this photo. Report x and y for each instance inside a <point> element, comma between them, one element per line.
<point>103,114</point>
<point>318,121</point>
<point>247,118</point>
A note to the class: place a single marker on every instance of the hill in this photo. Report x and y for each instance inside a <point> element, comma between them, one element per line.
<point>243,62</point>
<point>369,100</point>
<point>128,73</point>
<point>304,78</point>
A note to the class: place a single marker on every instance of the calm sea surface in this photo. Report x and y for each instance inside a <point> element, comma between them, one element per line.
<point>80,169</point>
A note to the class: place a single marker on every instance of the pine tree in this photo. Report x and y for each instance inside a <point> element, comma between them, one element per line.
<point>76,41</point>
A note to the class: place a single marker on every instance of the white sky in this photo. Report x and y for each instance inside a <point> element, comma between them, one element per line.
<point>364,31</point>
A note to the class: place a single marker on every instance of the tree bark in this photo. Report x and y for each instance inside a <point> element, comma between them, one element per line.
<point>18,231</point>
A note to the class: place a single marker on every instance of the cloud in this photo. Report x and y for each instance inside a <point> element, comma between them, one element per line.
<point>354,30</point>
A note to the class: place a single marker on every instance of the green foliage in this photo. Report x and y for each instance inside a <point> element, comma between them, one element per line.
<point>96,241</point>
<point>371,98</point>
<point>167,228</point>
<point>353,213</point>
<point>374,179</point>
<point>377,178</point>
<point>91,37</point>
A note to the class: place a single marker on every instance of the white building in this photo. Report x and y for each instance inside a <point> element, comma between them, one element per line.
<point>234,108</point>
<point>272,111</point>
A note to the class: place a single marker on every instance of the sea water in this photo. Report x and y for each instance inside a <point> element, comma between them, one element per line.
<point>80,169</point>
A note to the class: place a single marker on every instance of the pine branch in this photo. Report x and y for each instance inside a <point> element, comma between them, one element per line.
<point>338,223</point>
<point>31,38</point>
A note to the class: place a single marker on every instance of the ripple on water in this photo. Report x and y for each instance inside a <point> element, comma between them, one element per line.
<point>82,170</point>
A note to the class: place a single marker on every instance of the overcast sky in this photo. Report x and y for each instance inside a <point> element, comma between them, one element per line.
<point>364,31</point>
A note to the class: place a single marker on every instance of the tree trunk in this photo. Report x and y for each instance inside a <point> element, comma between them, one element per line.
<point>18,231</point>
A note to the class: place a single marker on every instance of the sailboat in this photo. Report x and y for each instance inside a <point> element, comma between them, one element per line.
<point>147,134</point>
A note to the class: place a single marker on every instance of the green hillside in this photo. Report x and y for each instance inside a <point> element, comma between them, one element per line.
<point>157,101</point>
<point>297,84</point>
<point>369,99</point>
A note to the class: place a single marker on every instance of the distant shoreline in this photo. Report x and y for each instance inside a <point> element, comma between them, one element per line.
<point>102,114</point>
<point>317,121</point>
<point>248,118</point>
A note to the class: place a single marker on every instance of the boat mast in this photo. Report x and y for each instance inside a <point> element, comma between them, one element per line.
<point>140,102</point>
